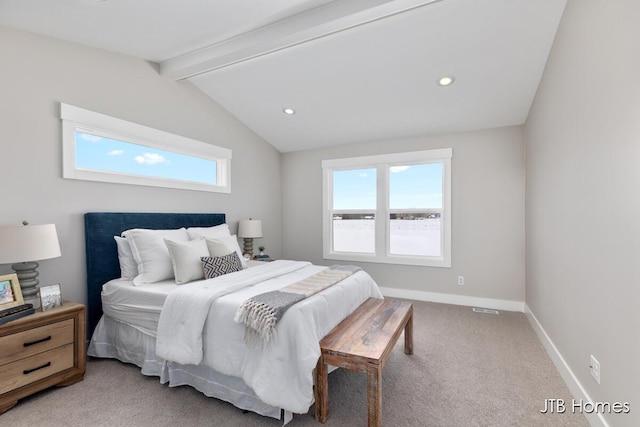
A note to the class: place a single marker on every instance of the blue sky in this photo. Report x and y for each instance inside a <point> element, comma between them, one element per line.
<point>109,155</point>
<point>413,186</point>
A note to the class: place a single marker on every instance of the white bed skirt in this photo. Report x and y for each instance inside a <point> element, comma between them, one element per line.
<point>117,340</point>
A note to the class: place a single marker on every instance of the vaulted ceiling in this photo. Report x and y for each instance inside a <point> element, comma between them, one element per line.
<point>351,70</point>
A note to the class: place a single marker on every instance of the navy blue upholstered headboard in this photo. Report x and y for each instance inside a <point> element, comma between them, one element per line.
<point>102,254</point>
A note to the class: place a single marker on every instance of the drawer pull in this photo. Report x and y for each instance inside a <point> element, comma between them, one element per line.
<point>28,371</point>
<point>27,344</point>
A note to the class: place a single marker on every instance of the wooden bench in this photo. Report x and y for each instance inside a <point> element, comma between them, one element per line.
<point>363,342</point>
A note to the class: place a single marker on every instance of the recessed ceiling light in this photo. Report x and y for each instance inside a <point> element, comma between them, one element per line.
<point>289,111</point>
<point>446,80</point>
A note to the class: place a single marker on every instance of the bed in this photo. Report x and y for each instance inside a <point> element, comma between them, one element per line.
<point>140,323</point>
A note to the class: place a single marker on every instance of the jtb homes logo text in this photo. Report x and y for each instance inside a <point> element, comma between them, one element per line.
<point>559,406</point>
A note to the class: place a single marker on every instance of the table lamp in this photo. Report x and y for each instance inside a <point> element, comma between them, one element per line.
<point>23,246</point>
<point>249,229</point>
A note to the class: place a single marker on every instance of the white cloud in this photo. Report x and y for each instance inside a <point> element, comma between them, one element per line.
<point>115,152</point>
<point>396,169</point>
<point>363,175</point>
<point>150,159</point>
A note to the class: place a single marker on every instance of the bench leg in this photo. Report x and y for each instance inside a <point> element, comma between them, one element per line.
<point>408,334</point>
<point>321,392</point>
<point>374,396</point>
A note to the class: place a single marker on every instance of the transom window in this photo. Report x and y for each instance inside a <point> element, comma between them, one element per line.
<point>392,208</point>
<point>102,148</point>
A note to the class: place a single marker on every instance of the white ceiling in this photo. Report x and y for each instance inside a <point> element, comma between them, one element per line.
<point>353,70</point>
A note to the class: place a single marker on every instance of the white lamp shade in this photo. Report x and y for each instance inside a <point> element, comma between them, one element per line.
<point>28,243</point>
<point>250,229</point>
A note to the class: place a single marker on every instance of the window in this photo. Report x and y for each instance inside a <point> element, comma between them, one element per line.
<point>97,147</point>
<point>392,208</point>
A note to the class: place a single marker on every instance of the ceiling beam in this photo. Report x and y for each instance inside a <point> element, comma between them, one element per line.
<point>322,21</point>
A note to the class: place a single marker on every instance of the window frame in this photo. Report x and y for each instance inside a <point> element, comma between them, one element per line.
<point>92,123</point>
<point>383,163</point>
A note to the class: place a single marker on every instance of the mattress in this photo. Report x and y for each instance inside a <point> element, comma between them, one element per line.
<point>139,306</point>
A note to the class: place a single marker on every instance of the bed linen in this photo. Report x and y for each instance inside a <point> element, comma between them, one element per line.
<point>264,380</point>
<point>183,316</point>
<point>139,306</point>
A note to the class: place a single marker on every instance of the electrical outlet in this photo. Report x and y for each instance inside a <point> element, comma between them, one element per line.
<point>595,369</point>
<point>461,280</point>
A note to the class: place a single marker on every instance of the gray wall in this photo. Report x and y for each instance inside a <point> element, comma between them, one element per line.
<point>583,199</point>
<point>487,213</point>
<point>37,73</point>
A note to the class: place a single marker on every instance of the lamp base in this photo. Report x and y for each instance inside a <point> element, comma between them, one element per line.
<point>247,249</point>
<point>27,273</point>
<point>35,301</point>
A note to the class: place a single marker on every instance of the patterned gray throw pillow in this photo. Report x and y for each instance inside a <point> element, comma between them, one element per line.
<point>219,265</point>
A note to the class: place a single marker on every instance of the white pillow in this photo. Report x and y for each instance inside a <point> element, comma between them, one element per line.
<point>224,246</point>
<point>214,232</point>
<point>151,254</point>
<point>128,265</point>
<point>185,257</point>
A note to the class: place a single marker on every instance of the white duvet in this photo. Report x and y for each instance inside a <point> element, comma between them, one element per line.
<point>196,326</point>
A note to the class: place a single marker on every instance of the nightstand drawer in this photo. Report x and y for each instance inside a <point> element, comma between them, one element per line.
<point>36,340</point>
<point>26,371</point>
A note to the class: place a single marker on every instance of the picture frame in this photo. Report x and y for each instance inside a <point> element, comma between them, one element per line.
<point>10,291</point>
<point>50,297</point>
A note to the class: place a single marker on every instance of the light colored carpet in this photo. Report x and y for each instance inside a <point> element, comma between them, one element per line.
<point>468,369</point>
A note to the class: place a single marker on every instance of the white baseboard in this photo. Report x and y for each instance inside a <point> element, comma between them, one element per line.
<point>496,304</point>
<point>575,387</point>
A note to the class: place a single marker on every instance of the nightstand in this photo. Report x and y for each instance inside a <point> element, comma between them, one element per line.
<point>42,350</point>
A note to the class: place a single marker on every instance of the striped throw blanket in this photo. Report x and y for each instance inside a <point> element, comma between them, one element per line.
<point>261,313</point>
